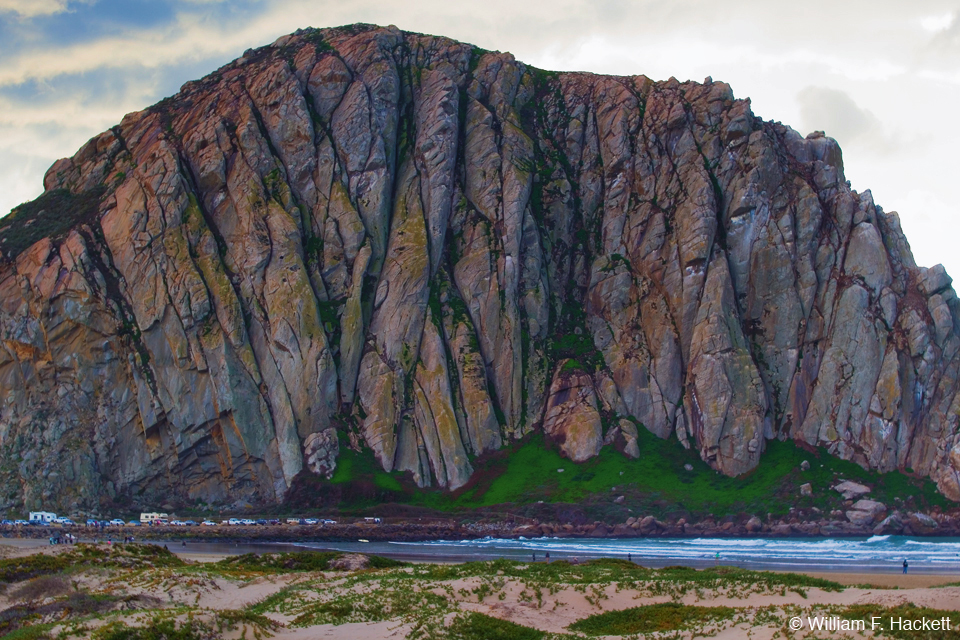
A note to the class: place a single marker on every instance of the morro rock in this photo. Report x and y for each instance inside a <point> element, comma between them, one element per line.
<point>370,238</point>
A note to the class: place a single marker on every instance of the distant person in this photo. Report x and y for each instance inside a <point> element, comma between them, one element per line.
<point>905,565</point>
<point>629,558</point>
<point>534,557</point>
<point>718,559</point>
<point>548,557</point>
<point>183,544</point>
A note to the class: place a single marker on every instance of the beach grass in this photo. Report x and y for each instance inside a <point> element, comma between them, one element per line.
<point>125,593</point>
<point>653,618</point>
<point>883,616</point>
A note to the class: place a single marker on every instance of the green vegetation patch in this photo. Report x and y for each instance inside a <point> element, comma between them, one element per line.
<point>657,482</point>
<point>296,561</point>
<point>669,616</point>
<point>906,612</point>
<point>477,626</point>
<point>130,556</point>
<point>76,604</point>
<point>52,215</point>
<point>156,630</point>
<point>19,569</point>
<point>280,562</point>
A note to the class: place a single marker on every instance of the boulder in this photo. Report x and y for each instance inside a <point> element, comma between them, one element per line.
<point>572,418</point>
<point>754,524</point>
<point>891,525</point>
<point>631,447</point>
<point>851,490</point>
<point>922,522</point>
<point>321,450</point>
<point>806,489</point>
<point>865,512</point>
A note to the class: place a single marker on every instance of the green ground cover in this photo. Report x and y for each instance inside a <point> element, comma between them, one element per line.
<point>668,616</point>
<point>658,482</point>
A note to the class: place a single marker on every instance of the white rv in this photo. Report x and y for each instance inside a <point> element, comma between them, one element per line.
<point>147,518</point>
<point>42,517</point>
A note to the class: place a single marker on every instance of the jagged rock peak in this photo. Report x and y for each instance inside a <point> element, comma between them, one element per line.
<point>371,238</point>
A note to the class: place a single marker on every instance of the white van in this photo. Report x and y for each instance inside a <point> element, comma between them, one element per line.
<point>42,517</point>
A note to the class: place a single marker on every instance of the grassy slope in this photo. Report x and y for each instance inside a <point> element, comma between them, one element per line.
<point>656,483</point>
<point>52,215</point>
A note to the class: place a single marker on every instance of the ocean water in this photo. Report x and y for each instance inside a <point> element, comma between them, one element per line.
<point>878,553</point>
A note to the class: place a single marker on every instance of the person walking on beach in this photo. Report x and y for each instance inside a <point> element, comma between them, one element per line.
<point>905,565</point>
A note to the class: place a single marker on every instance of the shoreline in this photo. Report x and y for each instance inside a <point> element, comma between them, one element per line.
<point>851,572</point>
<point>451,529</point>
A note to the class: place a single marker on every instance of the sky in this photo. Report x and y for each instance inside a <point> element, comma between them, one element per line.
<point>880,76</point>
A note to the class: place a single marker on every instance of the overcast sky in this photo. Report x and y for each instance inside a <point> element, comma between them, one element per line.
<point>880,76</point>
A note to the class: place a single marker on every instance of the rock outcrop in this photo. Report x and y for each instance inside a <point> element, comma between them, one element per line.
<point>370,238</point>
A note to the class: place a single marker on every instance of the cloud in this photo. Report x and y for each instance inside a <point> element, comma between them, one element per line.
<point>33,8</point>
<point>835,113</point>
<point>937,23</point>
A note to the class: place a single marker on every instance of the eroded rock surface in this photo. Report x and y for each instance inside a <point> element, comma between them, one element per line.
<point>404,243</point>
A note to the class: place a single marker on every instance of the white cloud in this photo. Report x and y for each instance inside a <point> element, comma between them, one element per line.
<point>33,8</point>
<point>934,24</point>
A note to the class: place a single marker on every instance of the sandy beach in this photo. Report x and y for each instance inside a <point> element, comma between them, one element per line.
<point>353,596</point>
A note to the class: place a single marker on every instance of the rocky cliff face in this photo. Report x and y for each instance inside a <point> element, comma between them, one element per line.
<point>370,238</point>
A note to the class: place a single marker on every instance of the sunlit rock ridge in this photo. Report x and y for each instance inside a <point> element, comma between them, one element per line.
<point>371,238</point>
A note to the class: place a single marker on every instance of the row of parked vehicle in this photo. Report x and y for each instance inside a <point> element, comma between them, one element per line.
<point>64,521</point>
<point>117,522</point>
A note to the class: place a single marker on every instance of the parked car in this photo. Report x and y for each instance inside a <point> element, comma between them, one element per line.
<point>179,523</point>
<point>21,523</point>
<point>273,522</point>
<point>190,523</point>
<point>262,522</point>
<point>329,522</point>
<point>6,522</point>
<point>117,522</point>
<point>249,522</point>
<point>234,521</point>
<point>310,521</point>
<point>91,522</point>
<point>133,523</point>
<point>294,521</point>
<point>208,523</point>
<point>64,521</point>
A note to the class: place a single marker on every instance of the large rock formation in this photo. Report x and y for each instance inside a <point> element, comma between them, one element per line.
<point>365,237</point>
